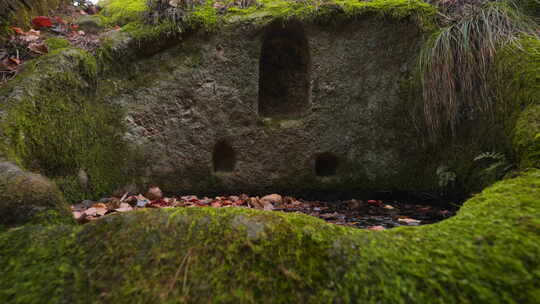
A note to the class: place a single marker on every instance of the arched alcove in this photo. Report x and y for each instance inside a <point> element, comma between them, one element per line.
<point>326,164</point>
<point>223,157</point>
<point>284,70</point>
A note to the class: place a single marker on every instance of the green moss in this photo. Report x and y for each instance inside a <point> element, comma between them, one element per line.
<point>206,15</point>
<point>56,125</point>
<point>57,43</point>
<point>53,248</point>
<point>29,198</point>
<point>527,137</point>
<point>485,254</point>
<point>519,88</point>
<point>530,7</point>
<point>121,12</point>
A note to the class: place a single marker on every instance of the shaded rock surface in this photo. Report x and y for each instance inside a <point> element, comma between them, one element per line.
<point>27,198</point>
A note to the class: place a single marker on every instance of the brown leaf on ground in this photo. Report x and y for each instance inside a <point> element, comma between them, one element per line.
<point>38,47</point>
<point>274,199</point>
<point>124,207</point>
<point>95,212</point>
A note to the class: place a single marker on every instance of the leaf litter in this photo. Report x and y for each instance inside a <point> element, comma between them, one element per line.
<point>373,215</point>
<point>24,45</point>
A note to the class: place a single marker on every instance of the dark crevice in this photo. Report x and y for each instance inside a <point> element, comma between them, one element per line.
<point>224,157</point>
<point>326,164</point>
<point>284,70</point>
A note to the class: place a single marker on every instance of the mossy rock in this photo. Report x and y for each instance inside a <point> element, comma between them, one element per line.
<point>527,137</point>
<point>53,122</point>
<point>488,253</point>
<point>27,198</point>
<point>56,43</point>
<point>153,19</point>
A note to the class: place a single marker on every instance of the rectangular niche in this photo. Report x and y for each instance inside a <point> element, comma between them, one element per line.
<point>223,157</point>
<point>284,70</point>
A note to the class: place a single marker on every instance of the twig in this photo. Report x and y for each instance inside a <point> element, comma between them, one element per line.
<point>175,278</point>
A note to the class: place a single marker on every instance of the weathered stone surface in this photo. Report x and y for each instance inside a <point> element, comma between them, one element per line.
<point>186,100</point>
<point>89,23</point>
<point>29,198</point>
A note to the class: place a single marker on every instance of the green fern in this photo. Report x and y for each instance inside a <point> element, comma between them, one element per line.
<point>497,165</point>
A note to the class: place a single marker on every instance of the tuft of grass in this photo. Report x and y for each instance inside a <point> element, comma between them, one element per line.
<point>455,62</point>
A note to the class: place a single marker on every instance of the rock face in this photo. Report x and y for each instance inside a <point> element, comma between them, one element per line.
<point>289,106</point>
<point>29,198</point>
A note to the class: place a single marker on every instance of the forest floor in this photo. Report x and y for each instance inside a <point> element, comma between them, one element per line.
<point>365,214</point>
<point>75,24</point>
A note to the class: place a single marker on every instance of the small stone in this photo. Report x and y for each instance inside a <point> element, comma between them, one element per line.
<point>255,203</point>
<point>274,199</point>
<point>87,203</point>
<point>154,193</point>
<point>353,204</point>
<point>83,179</point>
<point>90,24</point>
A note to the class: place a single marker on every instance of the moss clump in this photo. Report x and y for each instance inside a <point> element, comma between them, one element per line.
<point>519,88</point>
<point>135,15</point>
<point>520,67</point>
<point>53,248</point>
<point>488,253</point>
<point>29,198</point>
<point>121,12</point>
<point>55,124</point>
<point>56,43</point>
<point>527,137</point>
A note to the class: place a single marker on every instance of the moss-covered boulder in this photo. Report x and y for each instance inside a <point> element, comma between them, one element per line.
<point>488,253</point>
<point>53,121</point>
<point>28,198</point>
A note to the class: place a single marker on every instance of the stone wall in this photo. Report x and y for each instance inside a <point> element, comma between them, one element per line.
<point>289,106</point>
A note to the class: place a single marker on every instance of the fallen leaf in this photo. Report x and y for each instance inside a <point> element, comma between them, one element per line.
<point>95,211</point>
<point>16,61</point>
<point>376,228</point>
<point>42,21</point>
<point>255,203</point>
<point>78,215</point>
<point>99,205</point>
<point>409,221</point>
<point>18,30</point>
<point>274,199</point>
<point>60,20</point>
<point>389,207</point>
<point>39,48</point>
<point>124,207</point>
<point>33,32</point>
